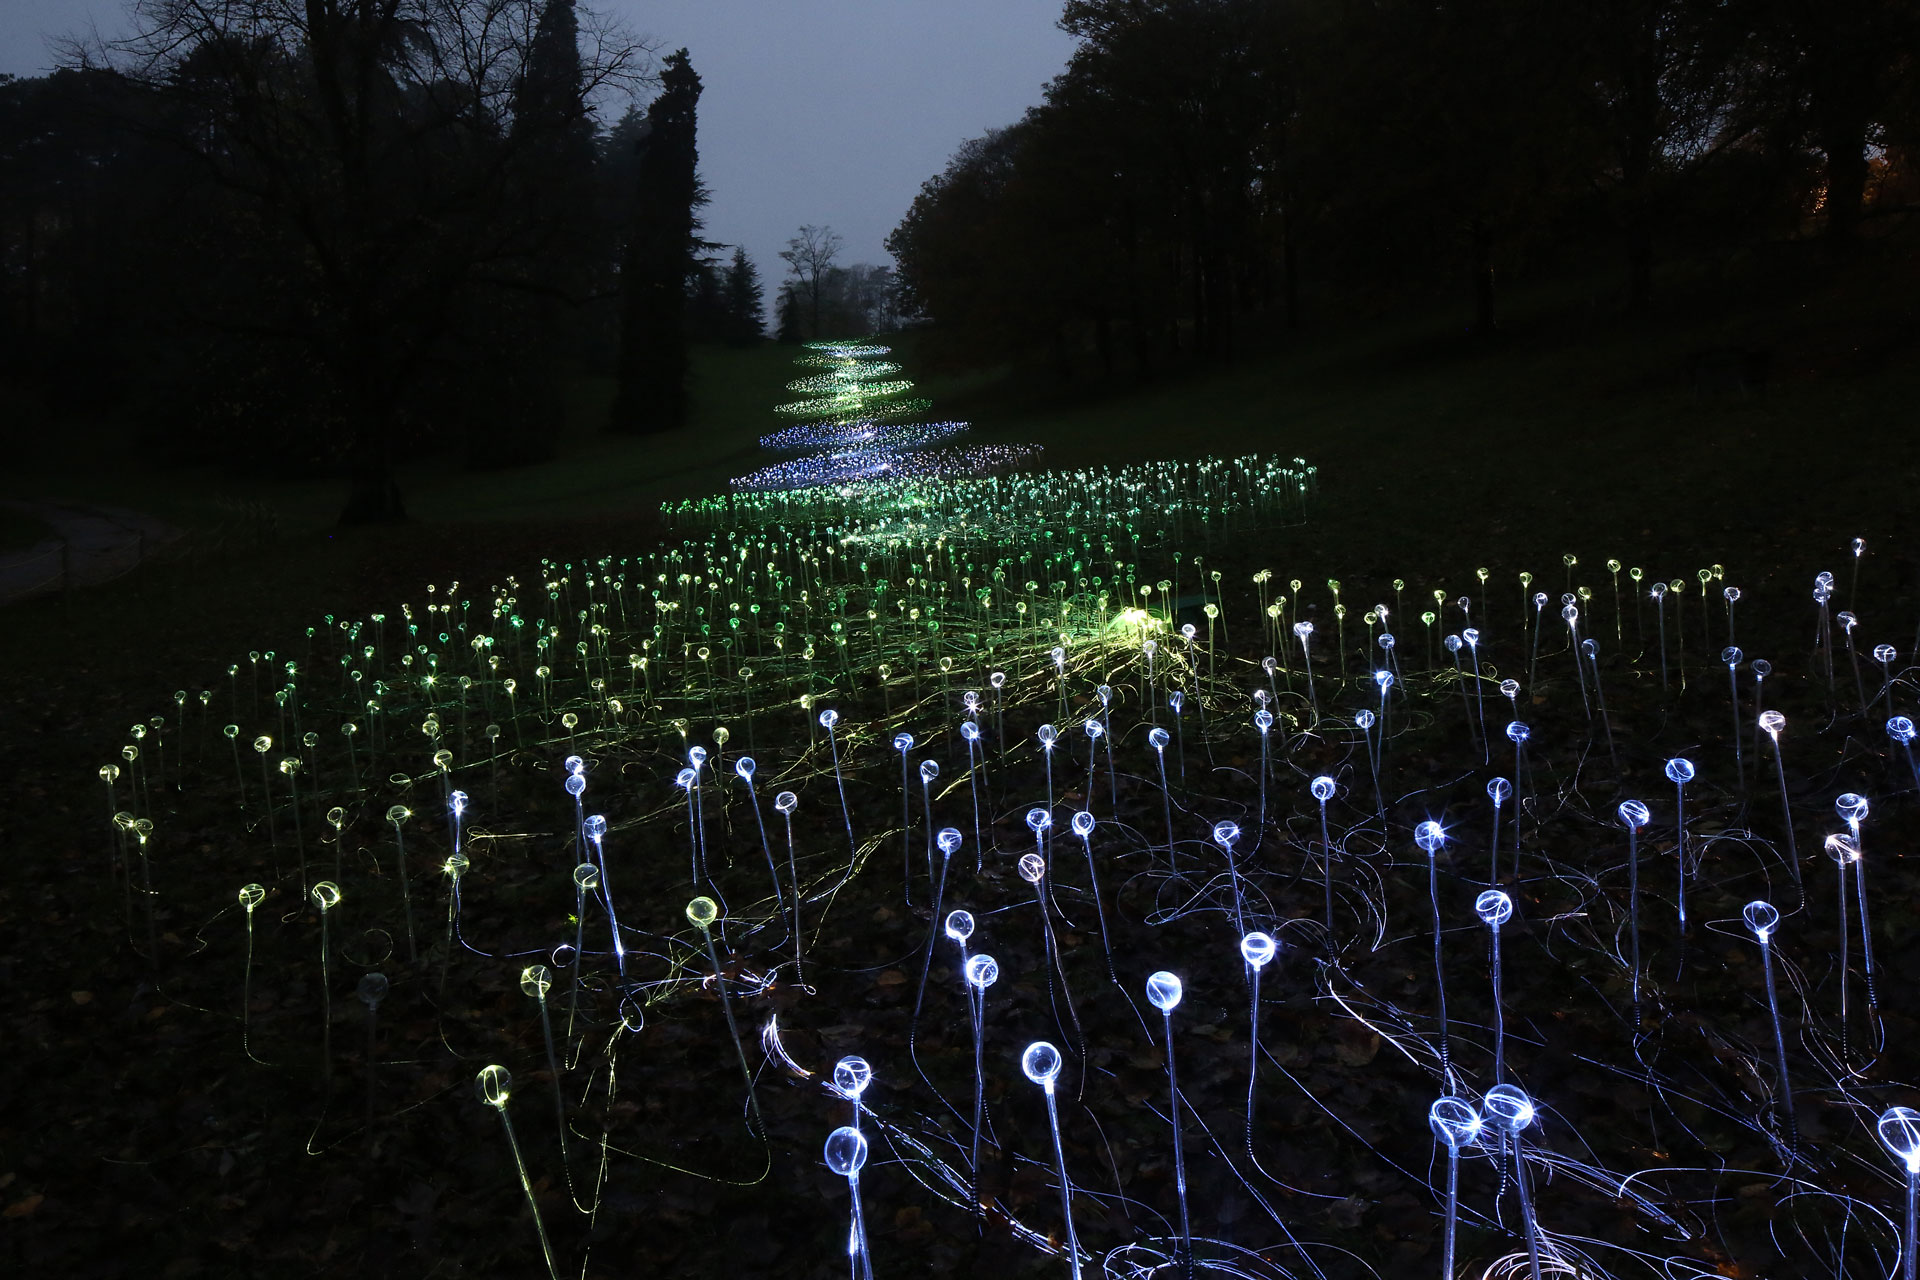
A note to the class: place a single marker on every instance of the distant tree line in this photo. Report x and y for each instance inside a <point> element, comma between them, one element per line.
<point>822,299</point>
<point>1200,162</point>
<point>343,232</point>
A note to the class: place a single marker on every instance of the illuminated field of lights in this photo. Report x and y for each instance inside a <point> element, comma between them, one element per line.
<point>1041,851</point>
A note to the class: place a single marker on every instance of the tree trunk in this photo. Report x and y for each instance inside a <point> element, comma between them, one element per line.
<point>1639,266</point>
<point>1484,321</point>
<point>373,497</point>
<point>1223,299</point>
<point>1843,136</point>
<point>1290,266</point>
<point>1136,310</point>
<point>1188,256</point>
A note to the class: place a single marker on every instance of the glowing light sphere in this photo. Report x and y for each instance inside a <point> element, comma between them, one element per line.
<point>494,1085</point>
<point>1509,1107</point>
<point>1899,1132</point>
<point>851,1075</point>
<point>1041,1064</point>
<point>1454,1122</point>
<point>1164,991</point>
<point>959,925</point>
<point>846,1151</point>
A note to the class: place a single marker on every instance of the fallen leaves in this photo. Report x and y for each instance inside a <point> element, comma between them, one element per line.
<point>23,1208</point>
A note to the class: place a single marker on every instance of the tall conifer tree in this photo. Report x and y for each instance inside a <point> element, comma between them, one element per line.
<point>652,368</point>
<point>744,299</point>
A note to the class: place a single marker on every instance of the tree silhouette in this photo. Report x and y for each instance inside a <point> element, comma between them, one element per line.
<point>744,300</point>
<point>361,158</point>
<point>810,257</point>
<point>652,367</point>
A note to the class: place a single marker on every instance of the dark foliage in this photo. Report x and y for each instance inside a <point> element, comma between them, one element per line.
<point>1201,162</point>
<point>328,235</point>
<point>744,300</point>
<point>659,259</point>
<point>822,299</point>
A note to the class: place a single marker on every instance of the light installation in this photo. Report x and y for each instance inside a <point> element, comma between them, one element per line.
<point>1620,1097</point>
<point>857,428</point>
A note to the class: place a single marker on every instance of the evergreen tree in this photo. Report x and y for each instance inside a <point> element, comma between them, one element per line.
<point>659,259</point>
<point>550,94</point>
<point>708,319</point>
<point>792,316</point>
<point>554,182</point>
<point>744,301</point>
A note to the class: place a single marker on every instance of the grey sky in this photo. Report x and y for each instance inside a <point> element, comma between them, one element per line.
<point>823,111</point>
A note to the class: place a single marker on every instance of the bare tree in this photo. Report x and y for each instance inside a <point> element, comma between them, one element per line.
<point>378,136</point>
<point>809,257</point>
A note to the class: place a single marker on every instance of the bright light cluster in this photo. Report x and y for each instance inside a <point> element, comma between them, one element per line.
<point>847,397</point>
<point>1203,498</point>
<point>840,379</point>
<point>860,431</point>
<point>861,435</point>
<point>854,388</point>
<point>829,355</point>
<point>864,465</point>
